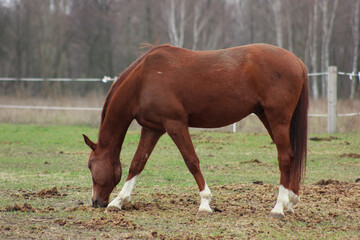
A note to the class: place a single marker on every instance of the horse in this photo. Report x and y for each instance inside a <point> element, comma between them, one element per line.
<point>169,89</point>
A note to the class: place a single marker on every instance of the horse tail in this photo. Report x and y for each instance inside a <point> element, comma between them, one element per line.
<point>298,134</point>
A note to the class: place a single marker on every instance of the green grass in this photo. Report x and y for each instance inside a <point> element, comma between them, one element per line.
<point>33,158</point>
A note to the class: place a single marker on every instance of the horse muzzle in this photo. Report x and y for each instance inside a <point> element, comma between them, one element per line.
<point>97,203</point>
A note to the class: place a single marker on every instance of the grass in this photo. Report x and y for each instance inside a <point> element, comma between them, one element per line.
<point>33,158</point>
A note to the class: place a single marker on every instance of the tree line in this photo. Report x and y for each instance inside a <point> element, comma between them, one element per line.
<point>93,38</point>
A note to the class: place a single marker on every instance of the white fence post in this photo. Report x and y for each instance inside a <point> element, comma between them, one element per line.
<point>332,98</point>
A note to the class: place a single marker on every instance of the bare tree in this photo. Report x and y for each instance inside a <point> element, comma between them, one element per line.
<point>314,49</point>
<point>276,6</point>
<point>5,40</point>
<point>199,23</point>
<point>175,22</point>
<point>238,10</point>
<point>327,28</point>
<point>289,27</point>
<point>19,33</point>
<point>355,31</point>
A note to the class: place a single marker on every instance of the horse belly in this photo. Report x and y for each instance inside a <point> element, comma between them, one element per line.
<point>220,113</point>
<point>212,121</point>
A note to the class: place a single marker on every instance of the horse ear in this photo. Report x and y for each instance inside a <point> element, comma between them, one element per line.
<point>90,143</point>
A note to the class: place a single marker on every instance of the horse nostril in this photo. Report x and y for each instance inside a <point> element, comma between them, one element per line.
<point>95,203</point>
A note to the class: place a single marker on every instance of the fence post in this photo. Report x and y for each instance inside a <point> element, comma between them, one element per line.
<point>332,98</point>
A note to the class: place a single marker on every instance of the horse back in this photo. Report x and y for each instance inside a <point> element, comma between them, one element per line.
<point>216,88</point>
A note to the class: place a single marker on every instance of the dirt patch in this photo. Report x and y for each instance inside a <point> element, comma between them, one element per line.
<point>321,139</point>
<point>115,220</point>
<point>44,193</point>
<point>326,182</point>
<point>253,161</point>
<point>239,211</point>
<point>25,208</point>
<point>350,155</point>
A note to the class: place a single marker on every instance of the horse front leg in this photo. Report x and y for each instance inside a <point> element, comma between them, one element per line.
<point>179,133</point>
<point>148,140</point>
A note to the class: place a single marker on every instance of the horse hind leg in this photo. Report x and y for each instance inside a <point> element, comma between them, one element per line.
<point>284,196</point>
<point>287,199</point>
<point>148,140</point>
<point>179,133</point>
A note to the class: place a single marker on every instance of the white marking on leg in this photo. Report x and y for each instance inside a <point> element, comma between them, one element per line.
<point>92,194</point>
<point>293,201</point>
<point>205,196</point>
<point>286,199</point>
<point>282,199</point>
<point>124,195</point>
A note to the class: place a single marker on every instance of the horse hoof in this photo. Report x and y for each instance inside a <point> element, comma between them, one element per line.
<point>277,215</point>
<point>112,209</point>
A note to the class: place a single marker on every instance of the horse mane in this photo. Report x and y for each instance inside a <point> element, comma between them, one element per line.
<point>123,76</point>
<point>115,85</point>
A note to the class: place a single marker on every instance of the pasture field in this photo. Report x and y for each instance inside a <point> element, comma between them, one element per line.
<point>45,188</point>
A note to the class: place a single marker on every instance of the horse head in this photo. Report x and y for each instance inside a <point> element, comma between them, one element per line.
<point>106,172</point>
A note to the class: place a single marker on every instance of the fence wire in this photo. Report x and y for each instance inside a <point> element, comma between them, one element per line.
<point>106,79</point>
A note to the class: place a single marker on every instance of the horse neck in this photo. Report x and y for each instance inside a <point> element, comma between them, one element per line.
<point>116,123</point>
<point>112,138</point>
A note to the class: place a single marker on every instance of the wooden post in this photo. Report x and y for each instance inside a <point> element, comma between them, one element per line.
<point>332,98</point>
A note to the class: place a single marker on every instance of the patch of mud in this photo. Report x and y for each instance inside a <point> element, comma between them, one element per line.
<point>326,182</point>
<point>322,139</point>
<point>350,155</point>
<point>103,222</point>
<point>113,219</point>
<point>325,206</point>
<point>253,161</point>
<point>43,193</point>
<point>25,208</point>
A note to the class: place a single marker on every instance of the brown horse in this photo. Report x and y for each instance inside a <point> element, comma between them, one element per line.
<point>169,89</point>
